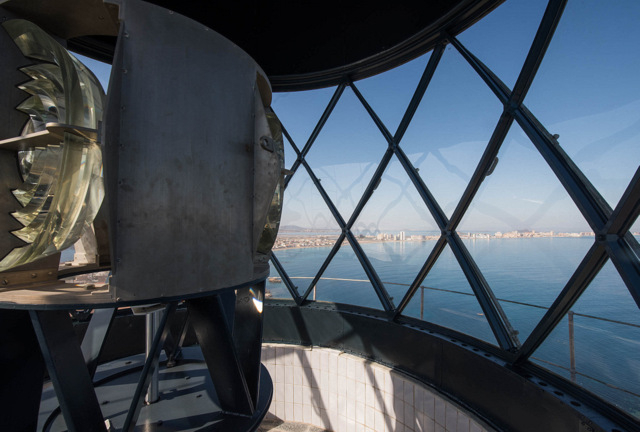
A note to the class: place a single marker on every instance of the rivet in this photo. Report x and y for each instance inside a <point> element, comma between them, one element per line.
<point>50,273</point>
<point>118,299</point>
<point>124,71</point>
<point>126,34</point>
<point>5,282</point>
<point>33,275</point>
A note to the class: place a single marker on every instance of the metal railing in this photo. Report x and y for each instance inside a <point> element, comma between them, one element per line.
<point>573,373</point>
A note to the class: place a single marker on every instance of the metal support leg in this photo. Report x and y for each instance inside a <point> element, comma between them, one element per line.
<point>67,369</point>
<point>175,340</point>
<point>153,321</point>
<point>21,372</point>
<point>209,320</point>
<point>150,365</point>
<point>247,334</point>
<point>94,338</point>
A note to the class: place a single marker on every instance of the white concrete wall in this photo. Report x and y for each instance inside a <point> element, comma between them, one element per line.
<point>345,393</point>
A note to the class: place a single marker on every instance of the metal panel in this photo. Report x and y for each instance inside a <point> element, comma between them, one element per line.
<point>185,157</point>
<point>67,369</point>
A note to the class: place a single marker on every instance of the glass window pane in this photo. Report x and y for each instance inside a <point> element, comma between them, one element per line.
<point>346,153</point>
<point>451,129</point>
<point>307,232</point>
<point>345,281</point>
<point>587,91</point>
<point>605,343</point>
<point>445,298</point>
<point>299,112</point>
<point>389,93</point>
<point>525,232</point>
<point>502,39</point>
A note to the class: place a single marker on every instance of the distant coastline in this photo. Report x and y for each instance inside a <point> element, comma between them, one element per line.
<point>302,239</point>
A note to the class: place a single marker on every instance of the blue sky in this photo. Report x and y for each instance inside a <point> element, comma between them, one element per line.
<point>587,91</point>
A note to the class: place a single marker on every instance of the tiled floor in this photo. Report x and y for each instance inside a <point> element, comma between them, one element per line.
<point>344,393</point>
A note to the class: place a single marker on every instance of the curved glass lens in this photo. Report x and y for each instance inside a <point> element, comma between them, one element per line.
<point>63,186</point>
<point>270,232</point>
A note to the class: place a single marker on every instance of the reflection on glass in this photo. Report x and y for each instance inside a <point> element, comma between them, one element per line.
<point>524,232</point>
<point>587,91</point>
<point>63,187</point>
<point>451,129</point>
<point>389,93</point>
<point>268,237</point>
<point>345,281</point>
<point>505,55</point>
<point>595,345</point>
<point>446,299</point>
<point>395,207</point>
<point>346,153</point>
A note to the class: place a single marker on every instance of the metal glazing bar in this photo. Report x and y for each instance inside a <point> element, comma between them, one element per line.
<point>591,204</point>
<point>593,207</point>
<point>383,129</point>
<point>332,208</point>
<point>377,284</point>
<point>247,334</point>
<point>295,149</point>
<point>150,366</point>
<point>496,317</point>
<point>487,160</point>
<point>67,369</point>
<point>371,187</point>
<point>593,261</point>
<point>501,91</point>
<point>285,278</point>
<point>422,274</point>
<point>430,69</point>
<point>538,49</point>
<point>94,338</point>
<point>208,318</point>
<point>323,119</point>
<point>627,210</point>
<point>626,261</point>
<point>493,311</point>
<point>425,194</point>
<point>325,264</point>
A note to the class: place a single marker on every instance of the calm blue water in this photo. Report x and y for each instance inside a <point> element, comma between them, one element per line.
<point>528,270</point>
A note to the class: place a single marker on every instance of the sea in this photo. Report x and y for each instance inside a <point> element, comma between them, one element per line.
<point>525,275</point>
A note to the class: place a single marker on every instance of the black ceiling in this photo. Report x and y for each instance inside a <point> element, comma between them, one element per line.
<point>304,44</point>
